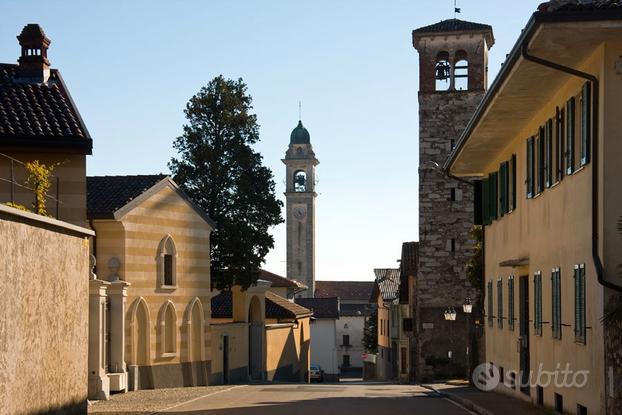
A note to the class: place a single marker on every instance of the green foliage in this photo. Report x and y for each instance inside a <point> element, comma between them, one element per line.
<point>475,266</point>
<point>218,168</point>
<point>39,175</point>
<point>16,206</point>
<point>370,333</point>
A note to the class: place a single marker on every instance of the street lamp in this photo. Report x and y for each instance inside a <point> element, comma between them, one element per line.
<point>467,307</point>
<point>450,314</point>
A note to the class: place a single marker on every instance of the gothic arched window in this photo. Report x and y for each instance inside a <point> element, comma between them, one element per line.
<point>168,329</point>
<point>167,262</point>
<point>442,72</point>
<point>300,181</point>
<point>461,71</point>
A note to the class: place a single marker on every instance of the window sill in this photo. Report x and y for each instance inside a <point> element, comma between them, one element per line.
<point>168,355</point>
<point>581,168</point>
<point>168,287</point>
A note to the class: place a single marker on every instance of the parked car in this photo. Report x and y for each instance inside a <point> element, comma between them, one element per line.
<point>317,374</point>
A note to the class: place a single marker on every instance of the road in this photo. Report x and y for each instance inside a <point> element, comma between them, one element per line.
<point>321,399</point>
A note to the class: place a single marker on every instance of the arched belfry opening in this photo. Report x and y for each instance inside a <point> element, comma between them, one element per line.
<point>461,71</point>
<point>300,181</point>
<point>443,72</point>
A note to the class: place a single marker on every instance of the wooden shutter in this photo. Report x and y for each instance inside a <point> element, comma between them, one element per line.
<point>570,132</point>
<point>511,303</point>
<point>548,153</point>
<point>500,303</point>
<point>556,303</point>
<point>529,171</point>
<point>490,303</point>
<point>478,203</point>
<point>540,160</point>
<point>485,202</point>
<point>586,122</point>
<point>537,321</point>
<point>513,182</point>
<point>559,144</point>
<point>493,189</point>
<point>580,323</point>
<point>503,191</point>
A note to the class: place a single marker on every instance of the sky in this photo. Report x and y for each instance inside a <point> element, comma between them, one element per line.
<point>131,67</point>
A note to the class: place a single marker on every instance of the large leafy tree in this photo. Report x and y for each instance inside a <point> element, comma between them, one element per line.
<point>218,168</point>
<point>370,333</point>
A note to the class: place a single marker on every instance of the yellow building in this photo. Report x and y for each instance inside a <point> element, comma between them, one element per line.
<point>544,143</point>
<point>153,289</point>
<point>386,296</point>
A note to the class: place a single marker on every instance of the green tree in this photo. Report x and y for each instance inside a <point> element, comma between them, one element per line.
<point>370,333</point>
<point>218,168</point>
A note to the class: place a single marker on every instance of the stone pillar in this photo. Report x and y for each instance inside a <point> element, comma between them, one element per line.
<point>99,386</point>
<point>117,293</point>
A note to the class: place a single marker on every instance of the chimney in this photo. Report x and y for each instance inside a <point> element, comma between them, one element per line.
<point>34,66</point>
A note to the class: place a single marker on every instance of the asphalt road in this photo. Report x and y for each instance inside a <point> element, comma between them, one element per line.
<point>321,399</point>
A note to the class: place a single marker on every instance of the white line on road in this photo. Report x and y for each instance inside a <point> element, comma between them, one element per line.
<point>460,406</point>
<point>197,398</point>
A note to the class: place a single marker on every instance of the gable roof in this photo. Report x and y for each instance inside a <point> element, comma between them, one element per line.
<point>356,310</point>
<point>106,196</point>
<point>276,307</point>
<point>345,290</point>
<point>456,25</point>
<point>408,268</point>
<point>321,307</point>
<point>40,115</point>
<point>388,283</point>
<point>278,281</point>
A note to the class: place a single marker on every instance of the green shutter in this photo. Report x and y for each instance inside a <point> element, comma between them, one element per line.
<point>537,321</point>
<point>503,191</point>
<point>570,132</point>
<point>548,153</point>
<point>493,189</point>
<point>559,144</point>
<point>485,202</point>
<point>586,122</point>
<point>540,160</point>
<point>580,320</point>
<point>500,303</point>
<point>490,317</point>
<point>556,303</point>
<point>511,303</point>
<point>513,182</point>
<point>529,176</point>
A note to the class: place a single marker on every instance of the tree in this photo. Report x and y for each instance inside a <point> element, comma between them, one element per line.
<point>370,333</point>
<point>218,168</point>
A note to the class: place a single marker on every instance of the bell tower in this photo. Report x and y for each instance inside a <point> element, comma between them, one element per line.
<point>300,197</point>
<point>453,67</point>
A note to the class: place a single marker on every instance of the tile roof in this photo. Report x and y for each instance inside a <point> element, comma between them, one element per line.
<point>388,280</point>
<point>578,5</point>
<point>42,114</point>
<point>356,310</point>
<point>456,25</point>
<point>408,267</point>
<point>276,307</point>
<point>107,194</point>
<point>278,281</point>
<point>345,290</point>
<point>321,307</point>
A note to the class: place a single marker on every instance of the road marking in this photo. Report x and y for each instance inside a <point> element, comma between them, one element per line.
<point>460,406</point>
<point>197,398</point>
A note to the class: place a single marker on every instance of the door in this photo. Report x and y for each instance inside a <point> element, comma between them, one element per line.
<point>523,339</point>
<point>255,350</point>
<point>225,360</point>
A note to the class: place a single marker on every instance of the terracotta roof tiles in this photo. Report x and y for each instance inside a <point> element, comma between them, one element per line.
<point>107,194</point>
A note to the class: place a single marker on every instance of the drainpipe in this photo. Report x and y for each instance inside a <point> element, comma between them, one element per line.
<point>595,141</point>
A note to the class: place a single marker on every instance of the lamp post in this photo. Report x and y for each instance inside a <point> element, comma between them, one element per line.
<point>450,315</point>
<point>467,308</point>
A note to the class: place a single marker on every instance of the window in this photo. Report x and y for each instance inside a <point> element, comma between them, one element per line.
<point>559,403</point>
<point>167,263</point>
<point>490,317</point>
<point>300,181</point>
<point>579,303</point>
<point>556,303</point>
<point>168,329</point>
<point>529,180</point>
<point>570,133</point>
<point>511,303</point>
<point>403,360</point>
<point>500,303</point>
<point>452,194</point>
<point>548,153</point>
<point>461,71</point>
<point>537,302</point>
<point>346,361</point>
<point>586,122</point>
<point>540,160</point>
<point>346,340</point>
<point>559,144</point>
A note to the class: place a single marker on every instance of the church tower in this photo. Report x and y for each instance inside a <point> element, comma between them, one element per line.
<point>453,69</point>
<point>300,208</point>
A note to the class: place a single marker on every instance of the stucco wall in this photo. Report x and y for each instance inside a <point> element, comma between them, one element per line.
<point>323,345</point>
<point>238,352</point>
<point>355,326</point>
<point>288,351</point>
<point>43,331</point>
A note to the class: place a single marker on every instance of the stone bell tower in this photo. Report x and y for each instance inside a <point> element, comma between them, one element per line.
<point>453,68</point>
<point>300,208</point>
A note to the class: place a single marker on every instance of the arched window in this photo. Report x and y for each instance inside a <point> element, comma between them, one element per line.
<point>300,181</point>
<point>168,330</point>
<point>167,263</point>
<point>139,329</point>
<point>461,71</point>
<point>443,72</point>
<point>195,331</point>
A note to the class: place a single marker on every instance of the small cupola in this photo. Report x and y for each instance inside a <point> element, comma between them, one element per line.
<point>33,63</point>
<point>300,135</point>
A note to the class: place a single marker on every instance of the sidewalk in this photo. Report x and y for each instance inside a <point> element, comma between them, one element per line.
<point>485,403</point>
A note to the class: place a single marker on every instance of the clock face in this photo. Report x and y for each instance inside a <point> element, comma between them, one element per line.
<point>300,212</point>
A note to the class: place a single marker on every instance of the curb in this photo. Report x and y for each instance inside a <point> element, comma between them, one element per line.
<point>470,405</point>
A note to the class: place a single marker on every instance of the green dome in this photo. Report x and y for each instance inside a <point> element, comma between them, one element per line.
<point>300,135</point>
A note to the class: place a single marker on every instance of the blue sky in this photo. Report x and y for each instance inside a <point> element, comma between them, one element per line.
<point>131,66</point>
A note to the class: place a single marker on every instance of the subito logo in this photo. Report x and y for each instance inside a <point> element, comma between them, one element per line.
<point>486,377</point>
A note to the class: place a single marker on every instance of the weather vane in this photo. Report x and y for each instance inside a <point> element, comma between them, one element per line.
<point>456,9</point>
<point>300,110</point>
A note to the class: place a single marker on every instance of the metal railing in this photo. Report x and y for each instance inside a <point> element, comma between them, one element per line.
<point>15,164</point>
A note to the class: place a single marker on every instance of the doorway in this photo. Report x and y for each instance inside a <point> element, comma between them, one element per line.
<point>225,360</point>
<point>523,339</point>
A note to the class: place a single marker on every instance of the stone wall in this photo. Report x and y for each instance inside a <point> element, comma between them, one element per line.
<point>44,328</point>
<point>445,221</point>
<point>613,354</point>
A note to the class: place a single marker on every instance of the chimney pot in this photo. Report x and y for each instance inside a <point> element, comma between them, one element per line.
<point>34,65</point>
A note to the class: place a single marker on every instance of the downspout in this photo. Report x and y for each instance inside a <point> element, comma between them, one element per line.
<point>595,141</point>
